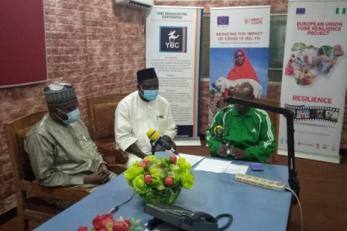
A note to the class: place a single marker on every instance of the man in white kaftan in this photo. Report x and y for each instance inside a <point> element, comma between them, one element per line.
<point>139,112</point>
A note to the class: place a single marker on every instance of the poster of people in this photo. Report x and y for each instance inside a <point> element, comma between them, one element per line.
<point>239,51</point>
<point>314,77</point>
<point>173,48</point>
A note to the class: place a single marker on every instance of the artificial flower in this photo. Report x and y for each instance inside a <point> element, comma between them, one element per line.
<point>160,180</point>
<point>105,222</point>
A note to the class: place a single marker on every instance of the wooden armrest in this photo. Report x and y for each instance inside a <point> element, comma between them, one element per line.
<point>108,151</point>
<point>117,168</point>
<point>62,193</point>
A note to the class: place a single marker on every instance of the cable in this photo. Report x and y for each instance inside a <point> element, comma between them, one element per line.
<point>115,208</point>
<point>230,220</point>
<point>300,208</point>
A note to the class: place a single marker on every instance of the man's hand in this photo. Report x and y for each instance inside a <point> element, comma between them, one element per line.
<point>102,167</point>
<point>136,150</point>
<point>123,156</point>
<point>100,177</point>
<point>222,150</point>
<point>238,153</point>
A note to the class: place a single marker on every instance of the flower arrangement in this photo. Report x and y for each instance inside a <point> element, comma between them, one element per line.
<point>105,222</point>
<point>159,181</point>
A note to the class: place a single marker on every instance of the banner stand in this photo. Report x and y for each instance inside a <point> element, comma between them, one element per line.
<point>239,51</point>
<point>173,36</point>
<point>314,78</point>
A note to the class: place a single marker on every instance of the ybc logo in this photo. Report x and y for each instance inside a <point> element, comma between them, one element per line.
<point>173,39</point>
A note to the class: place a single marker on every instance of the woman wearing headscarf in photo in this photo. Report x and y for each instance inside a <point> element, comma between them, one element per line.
<point>243,71</point>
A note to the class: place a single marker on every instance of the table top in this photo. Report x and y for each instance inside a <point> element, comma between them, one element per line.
<point>253,208</point>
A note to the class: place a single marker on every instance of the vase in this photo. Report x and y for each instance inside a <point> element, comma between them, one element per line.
<point>164,197</point>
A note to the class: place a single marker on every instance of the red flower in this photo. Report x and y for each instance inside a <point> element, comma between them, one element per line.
<point>146,162</point>
<point>103,222</point>
<point>141,164</point>
<point>82,228</point>
<point>173,159</point>
<point>121,225</point>
<point>128,222</point>
<point>148,179</point>
<point>169,181</point>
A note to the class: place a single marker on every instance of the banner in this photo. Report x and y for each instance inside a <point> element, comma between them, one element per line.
<point>314,77</point>
<point>239,51</point>
<point>173,49</point>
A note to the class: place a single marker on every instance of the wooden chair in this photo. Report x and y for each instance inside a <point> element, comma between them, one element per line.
<point>101,111</point>
<point>30,206</point>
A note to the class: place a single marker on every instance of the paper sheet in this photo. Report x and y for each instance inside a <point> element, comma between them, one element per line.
<point>236,169</point>
<point>213,165</point>
<point>220,166</point>
<point>192,159</point>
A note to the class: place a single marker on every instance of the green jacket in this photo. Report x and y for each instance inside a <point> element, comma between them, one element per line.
<point>251,132</point>
<point>61,155</point>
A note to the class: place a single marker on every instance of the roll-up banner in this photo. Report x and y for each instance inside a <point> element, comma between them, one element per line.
<point>314,77</point>
<point>173,49</point>
<point>239,51</point>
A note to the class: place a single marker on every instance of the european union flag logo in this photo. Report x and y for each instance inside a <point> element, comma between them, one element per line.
<point>223,20</point>
<point>300,10</point>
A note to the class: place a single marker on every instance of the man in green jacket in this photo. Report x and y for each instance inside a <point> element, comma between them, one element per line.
<point>59,146</point>
<point>240,132</point>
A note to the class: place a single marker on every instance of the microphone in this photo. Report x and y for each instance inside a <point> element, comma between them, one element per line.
<point>154,136</point>
<point>218,130</point>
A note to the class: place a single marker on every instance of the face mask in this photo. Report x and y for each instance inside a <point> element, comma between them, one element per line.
<point>72,116</point>
<point>150,95</point>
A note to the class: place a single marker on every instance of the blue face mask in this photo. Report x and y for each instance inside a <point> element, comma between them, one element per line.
<point>72,116</point>
<point>150,95</point>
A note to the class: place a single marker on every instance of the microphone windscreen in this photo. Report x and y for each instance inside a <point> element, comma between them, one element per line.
<point>153,135</point>
<point>218,129</point>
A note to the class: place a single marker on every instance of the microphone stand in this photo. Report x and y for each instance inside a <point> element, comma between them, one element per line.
<point>153,145</point>
<point>293,180</point>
